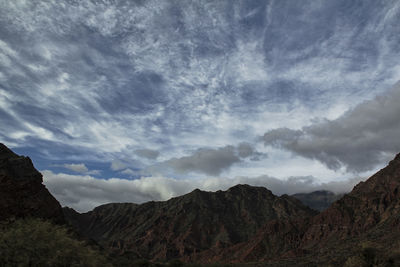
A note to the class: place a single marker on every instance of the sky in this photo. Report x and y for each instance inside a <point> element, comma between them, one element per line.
<point>132,101</point>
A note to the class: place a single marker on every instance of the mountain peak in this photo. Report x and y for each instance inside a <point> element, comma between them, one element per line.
<point>17,167</point>
<point>22,193</point>
<point>396,159</point>
<point>243,187</point>
<point>5,152</point>
<point>248,188</point>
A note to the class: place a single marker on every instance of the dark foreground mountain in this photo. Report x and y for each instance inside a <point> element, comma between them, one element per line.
<point>22,193</point>
<point>187,226</point>
<point>32,230</point>
<point>318,200</point>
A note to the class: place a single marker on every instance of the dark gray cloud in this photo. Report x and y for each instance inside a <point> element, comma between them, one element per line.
<point>359,140</point>
<point>147,153</point>
<point>245,150</point>
<point>206,160</point>
<point>212,161</point>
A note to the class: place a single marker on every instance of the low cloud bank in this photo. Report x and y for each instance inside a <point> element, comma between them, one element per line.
<point>83,192</point>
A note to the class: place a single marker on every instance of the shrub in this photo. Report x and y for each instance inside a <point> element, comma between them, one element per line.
<point>35,242</point>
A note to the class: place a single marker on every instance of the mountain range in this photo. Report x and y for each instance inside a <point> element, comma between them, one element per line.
<point>188,226</point>
<point>242,225</point>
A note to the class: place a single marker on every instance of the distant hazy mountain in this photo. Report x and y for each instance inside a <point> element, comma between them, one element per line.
<point>318,200</point>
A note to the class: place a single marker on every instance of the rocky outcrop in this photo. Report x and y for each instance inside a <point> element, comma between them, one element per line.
<point>369,213</point>
<point>22,193</point>
<point>275,240</point>
<point>190,227</point>
<point>370,203</point>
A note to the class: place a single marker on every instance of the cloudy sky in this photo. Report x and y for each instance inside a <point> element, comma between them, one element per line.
<point>144,100</point>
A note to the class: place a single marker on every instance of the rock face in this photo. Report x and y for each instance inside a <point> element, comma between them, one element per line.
<point>276,239</point>
<point>370,213</point>
<point>318,200</point>
<point>22,193</point>
<point>370,203</point>
<point>195,226</point>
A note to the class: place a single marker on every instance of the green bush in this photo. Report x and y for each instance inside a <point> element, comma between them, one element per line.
<point>369,256</point>
<point>175,263</point>
<point>35,242</point>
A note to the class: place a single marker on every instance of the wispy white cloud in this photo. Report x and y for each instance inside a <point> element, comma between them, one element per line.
<point>78,167</point>
<point>117,165</point>
<point>130,172</point>
<point>108,79</point>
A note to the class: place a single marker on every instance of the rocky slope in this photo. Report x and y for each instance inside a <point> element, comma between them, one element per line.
<point>368,216</point>
<point>370,203</point>
<point>191,227</point>
<point>22,193</point>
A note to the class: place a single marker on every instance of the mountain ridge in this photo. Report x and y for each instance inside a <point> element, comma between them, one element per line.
<point>191,223</point>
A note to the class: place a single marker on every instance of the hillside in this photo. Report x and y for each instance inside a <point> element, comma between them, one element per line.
<point>361,228</point>
<point>187,225</point>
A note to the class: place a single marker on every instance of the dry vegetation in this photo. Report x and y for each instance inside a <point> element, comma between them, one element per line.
<point>35,242</point>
